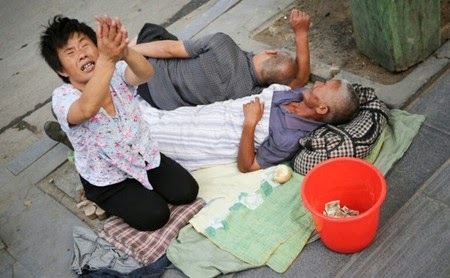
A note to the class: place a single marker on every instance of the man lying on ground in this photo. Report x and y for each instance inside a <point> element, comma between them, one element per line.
<point>257,131</point>
<point>213,67</point>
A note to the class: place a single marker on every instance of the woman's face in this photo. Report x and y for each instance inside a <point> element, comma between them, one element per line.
<point>78,59</point>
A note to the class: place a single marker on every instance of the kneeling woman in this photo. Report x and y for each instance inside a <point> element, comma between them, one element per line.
<point>120,167</point>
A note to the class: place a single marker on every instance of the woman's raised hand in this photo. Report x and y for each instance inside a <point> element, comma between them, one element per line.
<point>112,38</point>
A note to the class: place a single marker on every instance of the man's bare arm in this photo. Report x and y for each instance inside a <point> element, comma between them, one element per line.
<point>162,49</point>
<point>138,70</point>
<point>253,112</point>
<point>299,22</point>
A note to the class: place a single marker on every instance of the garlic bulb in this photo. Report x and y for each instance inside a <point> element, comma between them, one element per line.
<point>282,173</point>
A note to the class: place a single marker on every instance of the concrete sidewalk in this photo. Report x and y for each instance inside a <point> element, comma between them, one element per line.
<point>38,185</point>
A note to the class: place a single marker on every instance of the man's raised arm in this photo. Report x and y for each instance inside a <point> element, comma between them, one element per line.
<point>299,22</point>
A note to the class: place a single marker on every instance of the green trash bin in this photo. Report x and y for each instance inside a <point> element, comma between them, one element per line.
<point>396,34</point>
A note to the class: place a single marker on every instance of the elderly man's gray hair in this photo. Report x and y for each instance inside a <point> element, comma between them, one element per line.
<point>343,106</point>
<point>279,69</point>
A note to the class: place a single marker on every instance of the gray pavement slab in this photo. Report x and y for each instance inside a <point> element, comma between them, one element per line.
<point>33,153</point>
<point>241,21</point>
<point>37,231</point>
<point>428,151</point>
<point>414,242</point>
<point>6,263</point>
<point>10,267</point>
<point>443,52</point>
<point>206,18</point>
<point>5,175</point>
<point>67,179</point>
<point>47,163</point>
<point>430,105</point>
<point>21,271</point>
<point>439,188</point>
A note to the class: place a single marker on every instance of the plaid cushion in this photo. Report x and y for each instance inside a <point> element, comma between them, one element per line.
<point>147,247</point>
<point>354,139</point>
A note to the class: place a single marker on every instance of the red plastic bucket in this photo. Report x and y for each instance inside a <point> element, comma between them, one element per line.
<point>358,185</point>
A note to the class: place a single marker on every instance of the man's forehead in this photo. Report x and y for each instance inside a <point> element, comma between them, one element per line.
<point>335,83</point>
<point>332,85</point>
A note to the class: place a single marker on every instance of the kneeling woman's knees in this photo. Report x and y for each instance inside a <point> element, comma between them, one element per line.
<point>188,194</point>
<point>193,192</point>
<point>152,221</point>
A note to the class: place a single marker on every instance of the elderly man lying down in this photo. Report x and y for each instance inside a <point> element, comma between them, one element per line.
<point>258,131</point>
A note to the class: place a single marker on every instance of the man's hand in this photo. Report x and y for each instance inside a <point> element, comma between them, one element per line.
<point>253,112</point>
<point>299,21</point>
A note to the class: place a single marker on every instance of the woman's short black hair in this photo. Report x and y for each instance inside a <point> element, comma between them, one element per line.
<point>56,35</point>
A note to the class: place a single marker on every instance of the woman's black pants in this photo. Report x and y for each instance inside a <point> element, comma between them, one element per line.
<point>139,207</point>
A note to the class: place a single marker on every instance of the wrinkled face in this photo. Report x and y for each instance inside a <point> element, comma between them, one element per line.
<point>314,97</point>
<point>78,58</point>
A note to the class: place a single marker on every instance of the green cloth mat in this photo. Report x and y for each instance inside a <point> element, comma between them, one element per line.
<point>274,233</point>
<point>255,237</point>
<point>197,256</point>
<point>401,129</point>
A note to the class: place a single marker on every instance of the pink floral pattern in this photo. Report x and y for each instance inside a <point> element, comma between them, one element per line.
<point>109,149</point>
